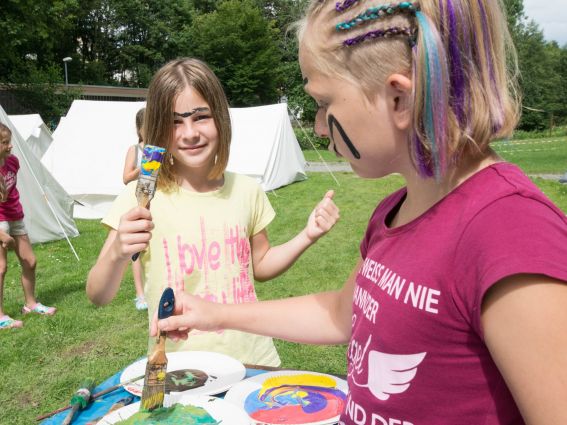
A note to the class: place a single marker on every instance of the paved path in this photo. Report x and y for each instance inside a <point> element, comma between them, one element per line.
<point>320,167</point>
<point>317,167</point>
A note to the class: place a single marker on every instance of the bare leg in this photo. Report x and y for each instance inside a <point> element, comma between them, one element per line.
<point>3,269</point>
<point>138,283</point>
<point>27,259</point>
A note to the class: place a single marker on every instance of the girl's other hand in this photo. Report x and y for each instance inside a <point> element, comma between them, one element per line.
<point>323,217</point>
<point>6,241</point>
<point>190,312</point>
<point>134,232</point>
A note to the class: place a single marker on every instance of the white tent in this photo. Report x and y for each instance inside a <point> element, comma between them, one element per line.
<point>88,151</point>
<point>264,146</point>
<point>48,209</point>
<point>34,131</point>
<point>90,144</point>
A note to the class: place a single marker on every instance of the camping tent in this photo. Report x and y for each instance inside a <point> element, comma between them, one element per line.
<point>88,151</point>
<point>264,146</point>
<point>34,131</point>
<point>48,209</point>
<point>90,144</point>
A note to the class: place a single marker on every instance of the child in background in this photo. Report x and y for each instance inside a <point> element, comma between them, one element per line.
<point>13,232</point>
<point>456,312</point>
<point>205,233</point>
<point>132,165</point>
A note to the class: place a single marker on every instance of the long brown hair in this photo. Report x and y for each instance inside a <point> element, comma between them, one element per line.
<point>166,85</point>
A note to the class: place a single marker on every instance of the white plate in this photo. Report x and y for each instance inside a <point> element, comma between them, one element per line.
<point>220,372</point>
<point>223,411</point>
<point>291,408</point>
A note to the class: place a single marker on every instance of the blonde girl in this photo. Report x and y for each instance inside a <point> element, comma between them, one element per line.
<point>456,311</point>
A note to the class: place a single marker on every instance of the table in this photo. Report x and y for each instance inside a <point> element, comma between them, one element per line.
<point>97,409</point>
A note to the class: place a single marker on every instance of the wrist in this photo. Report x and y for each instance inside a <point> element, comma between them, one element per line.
<point>221,316</point>
<point>308,240</point>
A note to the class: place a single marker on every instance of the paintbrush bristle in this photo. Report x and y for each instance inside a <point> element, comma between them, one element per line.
<point>153,392</point>
<point>152,159</point>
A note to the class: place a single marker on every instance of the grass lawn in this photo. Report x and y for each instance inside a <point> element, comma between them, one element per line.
<point>541,156</point>
<point>43,363</point>
<point>536,156</point>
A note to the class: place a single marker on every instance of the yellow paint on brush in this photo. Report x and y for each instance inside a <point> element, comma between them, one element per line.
<point>153,400</point>
<point>302,380</point>
<point>151,165</point>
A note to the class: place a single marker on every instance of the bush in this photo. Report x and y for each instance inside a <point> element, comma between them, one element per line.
<point>309,140</point>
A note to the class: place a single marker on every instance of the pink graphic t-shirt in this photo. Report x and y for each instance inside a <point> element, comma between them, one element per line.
<point>417,354</point>
<point>201,245</point>
<point>11,209</point>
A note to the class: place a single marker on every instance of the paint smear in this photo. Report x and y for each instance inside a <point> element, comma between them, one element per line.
<point>186,379</point>
<point>151,160</point>
<point>174,415</point>
<point>295,399</point>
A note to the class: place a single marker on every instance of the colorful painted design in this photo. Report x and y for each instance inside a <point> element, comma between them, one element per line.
<point>152,159</point>
<point>186,379</point>
<point>295,399</point>
<point>174,415</point>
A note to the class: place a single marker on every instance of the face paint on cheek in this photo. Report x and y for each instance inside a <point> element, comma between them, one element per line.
<point>332,122</point>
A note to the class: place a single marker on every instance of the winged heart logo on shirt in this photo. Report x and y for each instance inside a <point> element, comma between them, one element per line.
<point>390,373</point>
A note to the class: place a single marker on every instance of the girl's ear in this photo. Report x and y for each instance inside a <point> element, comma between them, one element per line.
<point>398,90</point>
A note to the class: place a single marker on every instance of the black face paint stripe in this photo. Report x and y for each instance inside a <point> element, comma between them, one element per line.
<point>332,121</point>
<point>188,114</point>
<point>305,81</point>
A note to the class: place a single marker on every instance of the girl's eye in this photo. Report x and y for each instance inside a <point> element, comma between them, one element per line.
<point>202,117</point>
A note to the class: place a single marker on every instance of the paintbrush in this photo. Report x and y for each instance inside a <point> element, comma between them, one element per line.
<point>152,159</point>
<point>93,397</point>
<point>153,392</point>
<point>80,399</point>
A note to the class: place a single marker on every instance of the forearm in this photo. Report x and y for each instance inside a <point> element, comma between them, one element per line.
<point>104,278</point>
<point>129,176</point>
<point>278,259</point>
<point>322,318</point>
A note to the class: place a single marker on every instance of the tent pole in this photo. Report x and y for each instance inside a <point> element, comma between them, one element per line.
<point>314,148</point>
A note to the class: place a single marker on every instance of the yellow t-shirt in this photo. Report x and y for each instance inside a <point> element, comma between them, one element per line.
<point>201,244</point>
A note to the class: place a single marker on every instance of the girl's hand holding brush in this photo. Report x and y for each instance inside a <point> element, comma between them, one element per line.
<point>133,234</point>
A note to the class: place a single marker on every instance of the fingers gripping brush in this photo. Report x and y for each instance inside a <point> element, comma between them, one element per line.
<point>152,158</point>
<point>156,369</point>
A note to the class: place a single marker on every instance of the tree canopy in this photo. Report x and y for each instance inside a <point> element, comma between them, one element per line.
<point>246,42</point>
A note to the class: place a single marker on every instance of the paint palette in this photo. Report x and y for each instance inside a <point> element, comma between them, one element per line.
<point>222,411</point>
<point>291,397</point>
<point>190,372</point>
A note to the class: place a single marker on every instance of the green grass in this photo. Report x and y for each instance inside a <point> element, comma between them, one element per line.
<point>43,363</point>
<point>316,155</point>
<point>536,156</point>
<point>547,155</point>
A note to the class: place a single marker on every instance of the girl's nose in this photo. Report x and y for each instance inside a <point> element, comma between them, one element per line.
<point>320,128</point>
<point>189,130</point>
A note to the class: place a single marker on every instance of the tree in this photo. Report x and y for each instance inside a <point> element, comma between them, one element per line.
<point>285,13</point>
<point>241,47</point>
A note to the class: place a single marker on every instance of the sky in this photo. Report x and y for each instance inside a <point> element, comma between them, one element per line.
<point>551,16</point>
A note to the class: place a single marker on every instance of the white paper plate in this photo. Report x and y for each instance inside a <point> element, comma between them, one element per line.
<point>291,408</point>
<point>221,372</point>
<point>223,411</point>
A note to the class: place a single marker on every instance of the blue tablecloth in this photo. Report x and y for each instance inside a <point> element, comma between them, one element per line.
<point>97,409</point>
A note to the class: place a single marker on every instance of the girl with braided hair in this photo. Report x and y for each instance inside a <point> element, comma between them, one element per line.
<point>456,310</point>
